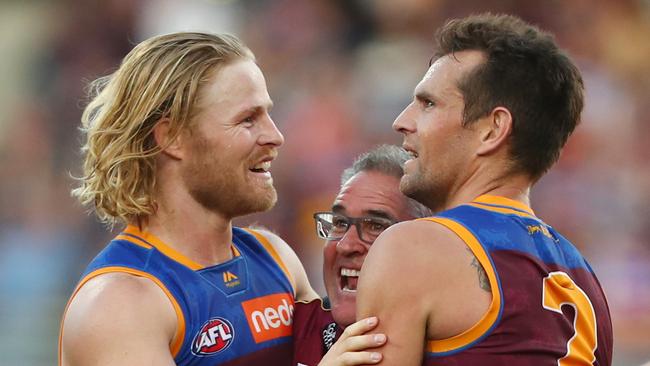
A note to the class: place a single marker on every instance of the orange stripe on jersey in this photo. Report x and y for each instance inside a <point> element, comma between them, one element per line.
<point>271,249</point>
<point>134,240</point>
<point>503,210</point>
<point>235,251</point>
<point>179,336</point>
<point>502,201</point>
<point>163,248</point>
<point>492,314</point>
<point>307,302</point>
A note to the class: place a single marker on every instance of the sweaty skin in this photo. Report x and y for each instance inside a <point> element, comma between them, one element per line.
<point>193,217</point>
<point>436,270</point>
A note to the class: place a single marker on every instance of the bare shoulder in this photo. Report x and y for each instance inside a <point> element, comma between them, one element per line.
<point>410,240</point>
<point>429,263</point>
<point>400,282</point>
<point>104,292</point>
<point>111,306</point>
<point>417,259</point>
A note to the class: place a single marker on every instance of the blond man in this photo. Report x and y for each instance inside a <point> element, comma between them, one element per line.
<point>179,141</point>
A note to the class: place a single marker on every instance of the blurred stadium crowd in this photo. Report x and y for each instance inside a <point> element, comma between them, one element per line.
<point>339,72</point>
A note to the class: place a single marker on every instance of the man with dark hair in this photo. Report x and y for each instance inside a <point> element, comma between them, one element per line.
<point>485,281</point>
<point>368,202</point>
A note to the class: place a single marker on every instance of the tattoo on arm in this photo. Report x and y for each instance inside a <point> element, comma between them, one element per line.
<point>483,281</point>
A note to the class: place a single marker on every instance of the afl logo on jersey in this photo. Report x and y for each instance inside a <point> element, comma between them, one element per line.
<point>215,336</point>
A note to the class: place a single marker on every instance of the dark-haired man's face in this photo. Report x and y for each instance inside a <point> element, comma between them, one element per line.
<point>442,149</point>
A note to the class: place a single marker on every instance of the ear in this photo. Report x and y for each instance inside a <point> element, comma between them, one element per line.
<point>172,146</point>
<point>495,131</point>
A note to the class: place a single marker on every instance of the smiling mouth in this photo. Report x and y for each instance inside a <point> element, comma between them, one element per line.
<point>349,279</point>
<point>262,167</point>
<point>411,152</point>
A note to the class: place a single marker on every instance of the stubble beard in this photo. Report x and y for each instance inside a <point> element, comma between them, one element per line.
<point>216,186</point>
<point>233,201</point>
<point>426,189</point>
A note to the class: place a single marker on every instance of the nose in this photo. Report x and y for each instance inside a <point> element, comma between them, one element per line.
<point>404,123</point>
<point>271,134</point>
<point>351,244</point>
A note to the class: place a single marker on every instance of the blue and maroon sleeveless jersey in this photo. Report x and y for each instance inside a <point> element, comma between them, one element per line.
<point>239,312</point>
<point>314,332</point>
<point>547,309</point>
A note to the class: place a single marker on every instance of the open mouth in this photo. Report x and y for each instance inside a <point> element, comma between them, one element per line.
<point>262,167</point>
<point>349,279</point>
<point>411,152</point>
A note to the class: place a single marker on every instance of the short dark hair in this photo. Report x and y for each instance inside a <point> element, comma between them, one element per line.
<point>526,73</point>
<point>388,160</point>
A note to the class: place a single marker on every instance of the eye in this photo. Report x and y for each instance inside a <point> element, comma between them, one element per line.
<point>248,121</point>
<point>428,103</point>
<point>376,227</point>
<point>340,222</point>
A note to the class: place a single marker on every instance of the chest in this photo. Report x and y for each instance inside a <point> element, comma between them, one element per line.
<point>235,312</point>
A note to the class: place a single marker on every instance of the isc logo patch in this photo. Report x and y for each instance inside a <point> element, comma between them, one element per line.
<point>269,317</point>
<point>215,336</point>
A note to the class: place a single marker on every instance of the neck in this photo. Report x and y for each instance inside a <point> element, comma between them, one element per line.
<point>183,224</point>
<point>490,181</point>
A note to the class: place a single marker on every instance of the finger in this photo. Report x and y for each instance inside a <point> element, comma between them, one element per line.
<point>360,358</point>
<point>362,342</point>
<point>360,327</point>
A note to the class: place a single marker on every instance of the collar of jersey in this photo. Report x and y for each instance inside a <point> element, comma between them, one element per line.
<point>134,231</point>
<point>498,201</point>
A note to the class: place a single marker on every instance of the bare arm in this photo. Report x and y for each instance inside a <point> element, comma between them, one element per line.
<point>389,288</point>
<point>419,281</point>
<point>118,319</point>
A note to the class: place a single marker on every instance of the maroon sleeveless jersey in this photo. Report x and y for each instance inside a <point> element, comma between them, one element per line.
<point>314,332</point>
<point>548,308</point>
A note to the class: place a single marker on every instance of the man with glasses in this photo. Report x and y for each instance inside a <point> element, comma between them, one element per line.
<point>368,202</point>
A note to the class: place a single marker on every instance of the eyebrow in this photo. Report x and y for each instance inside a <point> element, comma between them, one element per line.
<point>254,110</point>
<point>340,209</point>
<point>424,95</point>
<point>380,214</point>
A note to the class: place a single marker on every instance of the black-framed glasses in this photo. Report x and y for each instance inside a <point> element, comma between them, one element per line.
<point>333,226</point>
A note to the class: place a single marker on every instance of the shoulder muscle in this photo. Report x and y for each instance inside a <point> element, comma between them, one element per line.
<point>118,319</point>
<point>406,279</point>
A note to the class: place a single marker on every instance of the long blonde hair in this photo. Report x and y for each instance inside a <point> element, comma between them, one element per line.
<point>159,78</point>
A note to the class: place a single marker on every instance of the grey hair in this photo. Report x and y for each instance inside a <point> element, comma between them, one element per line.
<point>388,160</point>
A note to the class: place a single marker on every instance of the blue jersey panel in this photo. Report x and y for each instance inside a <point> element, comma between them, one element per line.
<point>525,233</point>
<point>547,304</point>
<point>237,312</point>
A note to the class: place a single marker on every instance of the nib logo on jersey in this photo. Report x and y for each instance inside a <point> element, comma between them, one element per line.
<point>215,336</point>
<point>269,317</point>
